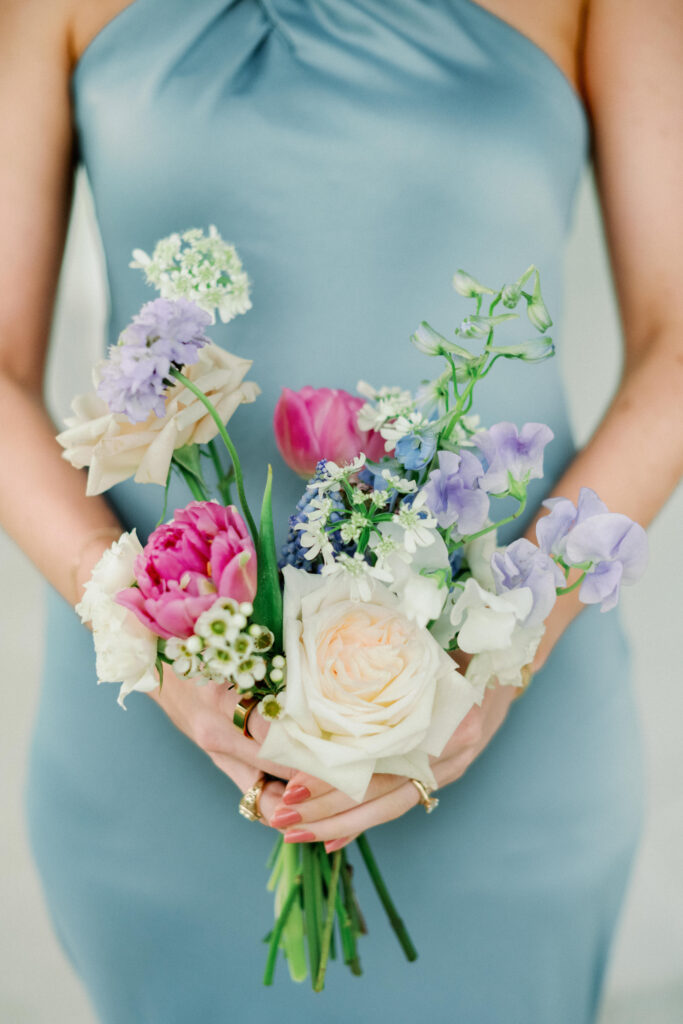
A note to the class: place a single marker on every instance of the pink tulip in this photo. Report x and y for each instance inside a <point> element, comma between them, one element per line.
<point>204,553</point>
<point>321,423</point>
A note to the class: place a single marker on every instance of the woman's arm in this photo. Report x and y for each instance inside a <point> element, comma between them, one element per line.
<point>633,76</point>
<point>42,500</point>
<point>633,83</point>
<point>43,506</point>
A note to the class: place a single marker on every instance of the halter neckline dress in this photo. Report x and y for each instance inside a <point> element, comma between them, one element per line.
<point>356,152</point>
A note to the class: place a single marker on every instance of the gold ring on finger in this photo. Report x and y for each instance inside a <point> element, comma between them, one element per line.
<point>248,805</point>
<point>240,716</point>
<point>428,801</point>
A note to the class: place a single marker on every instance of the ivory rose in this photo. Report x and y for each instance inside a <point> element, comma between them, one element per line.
<point>114,448</point>
<point>368,690</point>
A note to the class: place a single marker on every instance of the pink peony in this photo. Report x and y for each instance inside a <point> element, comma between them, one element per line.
<point>321,423</point>
<point>205,552</point>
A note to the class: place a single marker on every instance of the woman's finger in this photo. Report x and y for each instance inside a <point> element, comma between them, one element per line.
<point>245,776</point>
<point>332,802</point>
<point>358,819</point>
<point>302,787</point>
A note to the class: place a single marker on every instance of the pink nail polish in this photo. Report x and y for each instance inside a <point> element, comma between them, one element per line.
<point>298,835</point>
<point>295,794</point>
<point>284,816</point>
<point>335,844</point>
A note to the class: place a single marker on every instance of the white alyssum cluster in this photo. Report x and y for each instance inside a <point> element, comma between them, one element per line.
<point>224,647</point>
<point>125,650</point>
<point>200,267</point>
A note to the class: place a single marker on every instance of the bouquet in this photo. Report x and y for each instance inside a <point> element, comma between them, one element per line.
<point>345,642</point>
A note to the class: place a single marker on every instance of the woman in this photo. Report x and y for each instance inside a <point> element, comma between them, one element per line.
<point>356,152</point>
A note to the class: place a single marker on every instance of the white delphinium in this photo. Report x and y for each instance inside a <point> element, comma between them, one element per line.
<point>314,538</point>
<point>126,651</point>
<point>401,484</point>
<point>383,404</point>
<point>359,572</point>
<point>419,526</point>
<point>200,267</point>
<point>402,426</point>
<point>352,527</point>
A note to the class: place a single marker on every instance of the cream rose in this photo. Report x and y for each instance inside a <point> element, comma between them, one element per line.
<point>368,690</point>
<point>115,449</point>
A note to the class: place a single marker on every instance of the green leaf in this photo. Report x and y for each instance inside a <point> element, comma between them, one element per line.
<point>268,600</point>
<point>188,458</point>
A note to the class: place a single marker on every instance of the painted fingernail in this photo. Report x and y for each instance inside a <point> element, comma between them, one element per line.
<point>295,794</point>
<point>336,844</point>
<point>285,816</point>
<point>298,835</point>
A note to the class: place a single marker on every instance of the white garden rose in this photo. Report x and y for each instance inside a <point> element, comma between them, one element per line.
<point>114,448</point>
<point>125,650</point>
<point>368,690</point>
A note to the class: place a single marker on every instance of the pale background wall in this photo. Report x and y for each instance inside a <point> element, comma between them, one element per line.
<point>646,977</point>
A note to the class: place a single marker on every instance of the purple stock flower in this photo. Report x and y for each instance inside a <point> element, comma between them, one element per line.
<point>522,564</point>
<point>172,327</point>
<point>454,495</point>
<point>508,451</point>
<point>135,376</point>
<point>615,546</point>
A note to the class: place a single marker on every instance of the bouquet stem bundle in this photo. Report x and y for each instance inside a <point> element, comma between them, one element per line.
<point>314,893</point>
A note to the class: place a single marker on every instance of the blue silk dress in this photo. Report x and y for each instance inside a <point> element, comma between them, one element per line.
<point>356,152</point>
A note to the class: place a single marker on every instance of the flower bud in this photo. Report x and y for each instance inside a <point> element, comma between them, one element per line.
<point>536,308</point>
<point>466,285</point>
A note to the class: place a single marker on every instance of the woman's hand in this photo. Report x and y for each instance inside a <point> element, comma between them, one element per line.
<point>311,810</point>
<point>204,713</point>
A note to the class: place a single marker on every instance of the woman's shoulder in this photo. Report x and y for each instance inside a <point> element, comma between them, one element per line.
<point>66,24</point>
<point>555,26</point>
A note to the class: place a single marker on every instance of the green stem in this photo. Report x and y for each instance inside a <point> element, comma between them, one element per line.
<point>194,485</point>
<point>332,889</point>
<point>492,526</point>
<point>225,437</point>
<point>347,928</point>
<point>276,934</point>
<point>221,475</point>
<point>567,590</point>
<point>311,909</point>
<point>386,900</point>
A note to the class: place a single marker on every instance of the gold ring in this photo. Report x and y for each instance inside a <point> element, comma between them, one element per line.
<point>240,715</point>
<point>248,806</point>
<point>527,676</point>
<point>428,802</point>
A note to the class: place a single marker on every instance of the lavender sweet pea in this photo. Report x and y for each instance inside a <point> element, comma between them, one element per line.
<point>513,452</point>
<point>522,564</point>
<point>454,495</point>
<point>614,547</point>
<point>165,333</point>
